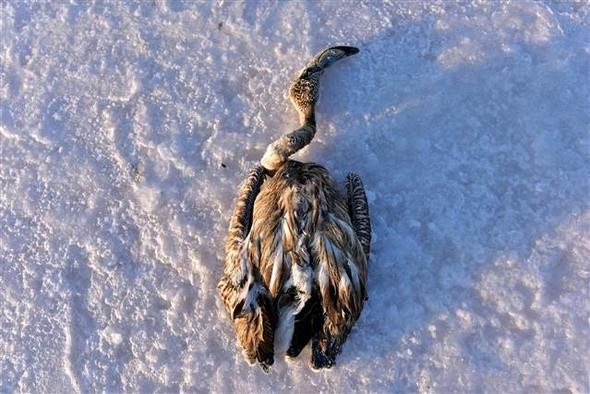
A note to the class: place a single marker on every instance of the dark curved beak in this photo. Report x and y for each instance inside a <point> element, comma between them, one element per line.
<point>348,51</point>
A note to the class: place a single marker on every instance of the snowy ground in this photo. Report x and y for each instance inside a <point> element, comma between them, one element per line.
<point>468,123</point>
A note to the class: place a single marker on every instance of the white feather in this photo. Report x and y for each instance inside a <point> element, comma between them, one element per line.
<point>285,327</point>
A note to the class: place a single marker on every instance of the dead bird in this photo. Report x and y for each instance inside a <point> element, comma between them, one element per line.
<point>296,254</point>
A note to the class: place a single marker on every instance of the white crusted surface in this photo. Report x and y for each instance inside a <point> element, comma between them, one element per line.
<point>467,123</point>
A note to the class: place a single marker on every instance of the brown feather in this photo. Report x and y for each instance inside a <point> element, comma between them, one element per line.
<point>295,241</point>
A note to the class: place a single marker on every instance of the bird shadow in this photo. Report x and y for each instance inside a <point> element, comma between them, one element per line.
<point>469,155</point>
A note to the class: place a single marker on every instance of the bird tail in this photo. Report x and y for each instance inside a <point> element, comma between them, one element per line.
<point>304,93</point>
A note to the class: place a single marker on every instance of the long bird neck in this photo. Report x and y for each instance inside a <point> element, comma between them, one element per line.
<point>307,118</point>
<point>304,93</point>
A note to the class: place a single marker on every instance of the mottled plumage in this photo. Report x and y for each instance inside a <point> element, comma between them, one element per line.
<point>297,249</point>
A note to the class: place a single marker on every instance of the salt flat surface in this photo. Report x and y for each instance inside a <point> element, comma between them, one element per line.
<point>467,121</point>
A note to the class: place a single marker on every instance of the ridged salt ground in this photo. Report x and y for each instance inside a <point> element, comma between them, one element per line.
<point>126,129</point>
